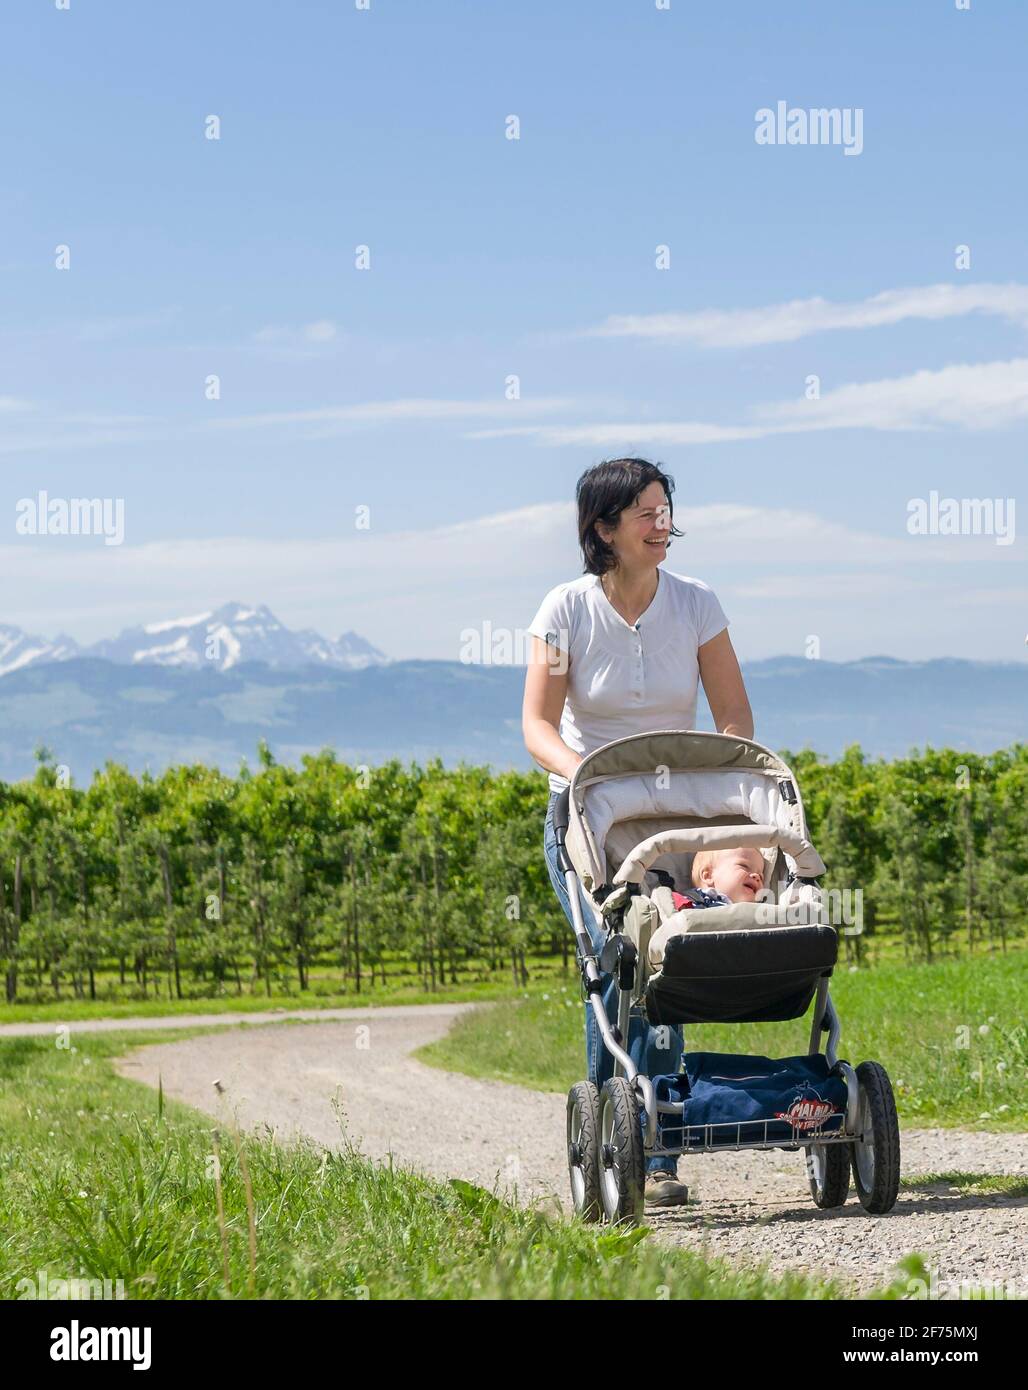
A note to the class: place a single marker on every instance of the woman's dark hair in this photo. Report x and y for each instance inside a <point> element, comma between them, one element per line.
<point>603,493</point>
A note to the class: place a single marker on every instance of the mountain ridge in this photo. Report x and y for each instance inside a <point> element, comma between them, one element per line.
<point>219,638</point>
<point>88,710</point>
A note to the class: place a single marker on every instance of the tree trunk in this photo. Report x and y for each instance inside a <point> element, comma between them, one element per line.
<point>355,929</point>
<point>169,902</point>
<point>430,942</point>
<point>5,931</point>
<point>84,899</point>
<point>922,913</point>
<point>12,967</point>
<point>263,966</point>
<point>969,868</point>
<point>219,962</point>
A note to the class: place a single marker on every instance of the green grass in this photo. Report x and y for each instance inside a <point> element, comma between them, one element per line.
<point>913,1019</point>
<point>973,1184</point>
<point>100,1177</point>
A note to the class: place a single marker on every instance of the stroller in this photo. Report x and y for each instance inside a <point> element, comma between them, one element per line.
<point>627,827</point>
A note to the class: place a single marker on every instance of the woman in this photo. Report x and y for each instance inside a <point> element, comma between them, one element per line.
<point>620,651</point>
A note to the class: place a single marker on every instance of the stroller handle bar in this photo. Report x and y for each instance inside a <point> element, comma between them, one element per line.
<point>809,863</point>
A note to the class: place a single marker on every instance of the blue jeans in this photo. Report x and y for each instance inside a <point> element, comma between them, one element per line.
<point>655,1051</point>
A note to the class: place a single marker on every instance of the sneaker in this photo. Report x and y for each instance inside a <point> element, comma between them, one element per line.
<point>664,1190</point>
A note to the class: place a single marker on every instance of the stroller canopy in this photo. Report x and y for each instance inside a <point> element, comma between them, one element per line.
<point>627,796</point>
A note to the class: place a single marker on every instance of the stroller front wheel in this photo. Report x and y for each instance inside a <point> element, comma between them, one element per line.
<point>621,1166</point>
<point>828,1169</point>
<point>584,1149</point>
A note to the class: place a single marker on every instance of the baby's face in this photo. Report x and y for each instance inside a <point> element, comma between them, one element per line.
<point>738,873</point>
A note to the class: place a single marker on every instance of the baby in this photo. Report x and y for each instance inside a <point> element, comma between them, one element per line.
<point>723,876</point>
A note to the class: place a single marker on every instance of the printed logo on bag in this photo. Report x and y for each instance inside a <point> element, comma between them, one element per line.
<point>807,1111</point>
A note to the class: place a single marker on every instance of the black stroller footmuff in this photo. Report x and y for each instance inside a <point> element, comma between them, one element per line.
<point>745,976</point>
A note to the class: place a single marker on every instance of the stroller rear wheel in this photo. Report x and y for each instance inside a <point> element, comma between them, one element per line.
<point>621,1167</point>
<point>584,1149</point>
<point>828,1169</point>
<point>876,1155</point>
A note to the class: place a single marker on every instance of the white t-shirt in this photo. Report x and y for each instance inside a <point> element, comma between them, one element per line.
<point>623,679</point>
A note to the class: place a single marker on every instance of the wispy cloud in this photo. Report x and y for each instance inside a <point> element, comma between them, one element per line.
<point>798,588</point>
<point>64,432</point>
<point>117,326</point>
<point>95,330</point>
<point>408,408</point>
<point>982,396</point>
<point>615,433</point>
<point>799,318</point>
<point>412,591</point>
<point>320,331</point>
<point>84,431</point>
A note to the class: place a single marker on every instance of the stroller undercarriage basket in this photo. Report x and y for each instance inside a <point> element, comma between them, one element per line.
<point>743,1134</point>
<point>730,1101</point>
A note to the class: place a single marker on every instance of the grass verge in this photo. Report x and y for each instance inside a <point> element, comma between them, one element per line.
<point>101,1178</point>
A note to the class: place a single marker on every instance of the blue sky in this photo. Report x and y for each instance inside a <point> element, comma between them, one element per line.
<point>384,388</point>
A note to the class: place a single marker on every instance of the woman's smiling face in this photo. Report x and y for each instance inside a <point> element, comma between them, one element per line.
<point>642,530</point>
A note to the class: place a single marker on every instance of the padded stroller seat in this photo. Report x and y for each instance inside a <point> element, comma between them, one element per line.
<point>754,976</point>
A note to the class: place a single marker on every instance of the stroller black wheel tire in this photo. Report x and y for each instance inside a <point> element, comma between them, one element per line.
<point>876,1156</point>
<point>621,1168</point>
<point>584,1149</point>
<point>828,1171</point>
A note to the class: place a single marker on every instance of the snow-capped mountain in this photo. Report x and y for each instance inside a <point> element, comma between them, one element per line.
<point>19,649</point>
<point>349,652</point>
<point>217,640</point>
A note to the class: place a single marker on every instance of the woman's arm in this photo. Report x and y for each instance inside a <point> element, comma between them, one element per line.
<point>546,684</point>
<point>724,687</point>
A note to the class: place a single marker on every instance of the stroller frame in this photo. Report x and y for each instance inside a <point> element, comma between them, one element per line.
<point>867,1137</point>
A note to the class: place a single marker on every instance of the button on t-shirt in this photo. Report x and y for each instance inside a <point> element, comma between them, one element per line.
<point>626,678</point>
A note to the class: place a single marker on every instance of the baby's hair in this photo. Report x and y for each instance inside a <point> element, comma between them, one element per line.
<point>701,858</point>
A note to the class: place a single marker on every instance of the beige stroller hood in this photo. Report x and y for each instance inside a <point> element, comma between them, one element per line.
<point>651,801</point>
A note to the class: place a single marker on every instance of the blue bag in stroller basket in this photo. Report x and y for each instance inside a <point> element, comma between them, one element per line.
<point>757,1098</point>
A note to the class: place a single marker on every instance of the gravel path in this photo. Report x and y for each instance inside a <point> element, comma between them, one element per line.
<point>749,1205</point>
<point>222,1020</point>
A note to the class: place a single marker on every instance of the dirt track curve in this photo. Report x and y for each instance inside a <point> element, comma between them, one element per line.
<point>359,1067</point>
